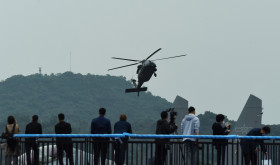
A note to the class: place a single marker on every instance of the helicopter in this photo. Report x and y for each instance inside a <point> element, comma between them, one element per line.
<point>145,70</point>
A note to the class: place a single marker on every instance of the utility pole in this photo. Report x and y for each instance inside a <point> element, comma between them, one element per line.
<point>70,62</point>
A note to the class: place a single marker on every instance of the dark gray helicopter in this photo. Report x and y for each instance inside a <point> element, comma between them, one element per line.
<point>145,71</point>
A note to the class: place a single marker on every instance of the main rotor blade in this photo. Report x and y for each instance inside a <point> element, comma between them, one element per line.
<point>169,57</point>
<point>124,66</point>
<point>125,59</point>
<point>153,53</point>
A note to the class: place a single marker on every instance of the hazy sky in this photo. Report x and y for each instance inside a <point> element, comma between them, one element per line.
<point>232,46</point>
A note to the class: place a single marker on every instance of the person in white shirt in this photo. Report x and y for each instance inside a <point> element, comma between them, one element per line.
<point>190,126</point>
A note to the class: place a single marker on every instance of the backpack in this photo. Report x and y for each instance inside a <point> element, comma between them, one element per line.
<point>11,141</point>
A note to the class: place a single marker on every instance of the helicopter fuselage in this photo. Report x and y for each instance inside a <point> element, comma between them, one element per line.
<point>145,72</point>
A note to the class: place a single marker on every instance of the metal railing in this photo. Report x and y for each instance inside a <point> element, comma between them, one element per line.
<point>143,149</point>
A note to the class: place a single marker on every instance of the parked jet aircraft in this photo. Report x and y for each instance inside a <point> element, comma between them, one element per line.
<point>250,117</point>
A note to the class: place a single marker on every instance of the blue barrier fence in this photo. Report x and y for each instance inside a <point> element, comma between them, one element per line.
<point>142,148</point>
<point>145,136</point>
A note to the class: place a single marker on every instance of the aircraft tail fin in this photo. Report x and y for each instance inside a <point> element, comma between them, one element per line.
<point>250,117</point>
<point>180,105</point>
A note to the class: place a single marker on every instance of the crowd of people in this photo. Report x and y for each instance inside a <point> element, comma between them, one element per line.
<point>190,126</point>
<point>101,125</point>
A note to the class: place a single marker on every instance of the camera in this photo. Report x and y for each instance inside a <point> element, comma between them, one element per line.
<point>173,114</point>
<point>227,124</point>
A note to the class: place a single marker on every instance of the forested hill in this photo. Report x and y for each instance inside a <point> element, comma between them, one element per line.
<point>79,97</point>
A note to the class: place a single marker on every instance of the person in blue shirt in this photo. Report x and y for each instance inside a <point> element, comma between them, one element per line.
<point>250,146</point>
<point>100,125</point>
<point>121,143</point>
